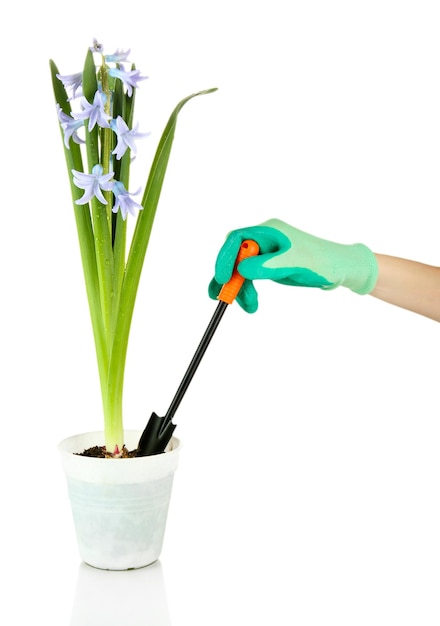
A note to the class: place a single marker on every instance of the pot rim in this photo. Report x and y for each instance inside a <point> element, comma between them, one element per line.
<point>115,471</point>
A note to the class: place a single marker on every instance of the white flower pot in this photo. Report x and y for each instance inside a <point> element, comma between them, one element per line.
<point>119,506</point>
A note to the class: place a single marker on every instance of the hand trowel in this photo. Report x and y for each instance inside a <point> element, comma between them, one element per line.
<point>159,430</point>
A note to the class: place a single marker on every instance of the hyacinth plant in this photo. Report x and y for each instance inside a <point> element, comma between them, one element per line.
<point>95,109</point>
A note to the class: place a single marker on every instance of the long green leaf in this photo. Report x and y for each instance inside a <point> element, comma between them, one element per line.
<point>85,233</point>
<point>137,252</point>
<point>100,213</point>
<point>150,202</point>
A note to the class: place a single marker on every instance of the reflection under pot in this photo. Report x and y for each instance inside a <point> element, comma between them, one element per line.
<point>135,597</point>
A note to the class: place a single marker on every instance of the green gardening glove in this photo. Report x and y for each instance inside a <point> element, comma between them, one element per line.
<point>292,257</point>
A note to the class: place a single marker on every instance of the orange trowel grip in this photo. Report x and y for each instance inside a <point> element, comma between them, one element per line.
<point>230,290</point>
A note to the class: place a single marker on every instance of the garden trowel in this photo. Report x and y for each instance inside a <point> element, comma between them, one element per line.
<point>159,430</point>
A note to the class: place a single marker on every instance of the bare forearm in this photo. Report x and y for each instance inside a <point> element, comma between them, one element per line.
<point>409,284</point>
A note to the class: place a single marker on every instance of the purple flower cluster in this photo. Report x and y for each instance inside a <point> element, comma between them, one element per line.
<point>99,113</point>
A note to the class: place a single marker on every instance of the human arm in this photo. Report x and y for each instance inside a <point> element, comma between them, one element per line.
<point>409,285</point>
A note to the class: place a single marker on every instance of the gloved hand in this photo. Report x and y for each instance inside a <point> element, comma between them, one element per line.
<point>292,257</point>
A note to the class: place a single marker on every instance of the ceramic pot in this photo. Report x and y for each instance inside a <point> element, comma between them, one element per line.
<point>119,506</point>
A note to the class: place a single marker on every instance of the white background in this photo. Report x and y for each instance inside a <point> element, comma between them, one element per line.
<point>308,487</point>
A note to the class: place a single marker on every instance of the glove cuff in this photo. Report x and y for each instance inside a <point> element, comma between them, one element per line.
<point>361,270</point>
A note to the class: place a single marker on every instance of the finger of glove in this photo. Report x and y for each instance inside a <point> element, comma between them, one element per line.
<point>214,289</point>
<point>227,256</point>
<point>267,238</point>
<point>253,268</point>
<point>303,277</point>
<point>247,297</point>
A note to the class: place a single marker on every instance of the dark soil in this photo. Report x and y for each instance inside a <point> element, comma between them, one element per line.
<point>100,452</point>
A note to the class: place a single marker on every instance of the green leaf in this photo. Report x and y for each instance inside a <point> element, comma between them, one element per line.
<point>85,232</point>
<point>73,155</point>
<point>152,193</point>
<point>137,252</point>
<point>89,80</point>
